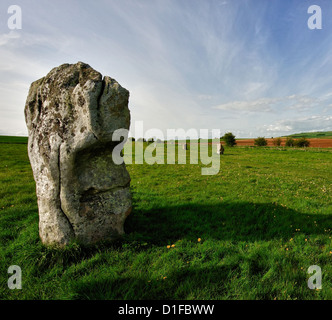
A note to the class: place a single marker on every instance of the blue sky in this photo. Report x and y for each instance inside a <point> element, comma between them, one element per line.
<point>252,67</point>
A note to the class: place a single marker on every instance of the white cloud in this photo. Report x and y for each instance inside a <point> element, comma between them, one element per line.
<point>255,88</point>
<point>6,38</point>
<point>312,123</point>
<point>293,102</point>
<point>259,105</point>
<point>303,103</point>
<point>204,97</point>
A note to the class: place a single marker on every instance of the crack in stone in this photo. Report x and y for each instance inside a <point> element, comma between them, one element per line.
<point>103,85</point>
<point>59,195</point>
<point>90,193</point>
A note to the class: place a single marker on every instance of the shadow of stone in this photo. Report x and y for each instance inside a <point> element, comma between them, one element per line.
<point>240,221</point>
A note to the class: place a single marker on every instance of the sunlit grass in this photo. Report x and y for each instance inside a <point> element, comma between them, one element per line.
<point>249,232</point>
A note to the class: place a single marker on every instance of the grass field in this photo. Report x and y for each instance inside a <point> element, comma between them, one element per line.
<point>250,232</point>
<point>16,140</point>
<point>325,135</point>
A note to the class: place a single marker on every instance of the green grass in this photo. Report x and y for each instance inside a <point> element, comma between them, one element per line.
<point>262,221</point>
<point>16,140</point>
<point>322,135</point>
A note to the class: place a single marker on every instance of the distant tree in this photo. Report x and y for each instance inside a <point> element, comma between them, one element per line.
<point>277,142</point>
<point>151,140</point>
<point>260,142</point>
<point>302,143</point>
<point>290,142</point>
<point>229,139</point>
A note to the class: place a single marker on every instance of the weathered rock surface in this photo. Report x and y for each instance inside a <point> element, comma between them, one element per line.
<point>82,194</point>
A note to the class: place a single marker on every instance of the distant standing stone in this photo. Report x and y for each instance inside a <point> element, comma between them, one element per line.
<point>185,147</point>
<point>220,149</point>
<point>82,194</point>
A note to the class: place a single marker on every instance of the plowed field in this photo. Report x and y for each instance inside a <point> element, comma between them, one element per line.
<point>314,143</point>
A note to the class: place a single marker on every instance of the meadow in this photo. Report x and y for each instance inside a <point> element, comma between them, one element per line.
<point>250,232</point>
<point>313,135</point>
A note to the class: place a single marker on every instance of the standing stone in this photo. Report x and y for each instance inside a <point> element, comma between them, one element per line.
<point>185,146</point>
<point>82,194</point>
<point>220,149</point>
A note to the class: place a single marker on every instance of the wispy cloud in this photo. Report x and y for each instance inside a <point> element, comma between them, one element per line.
<point>292,102</point>
<point>312,123</point>
<point>6,38</point>
<point>259,105</point>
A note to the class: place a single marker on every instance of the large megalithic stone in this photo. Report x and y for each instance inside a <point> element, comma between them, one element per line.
<point>71,115</point>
